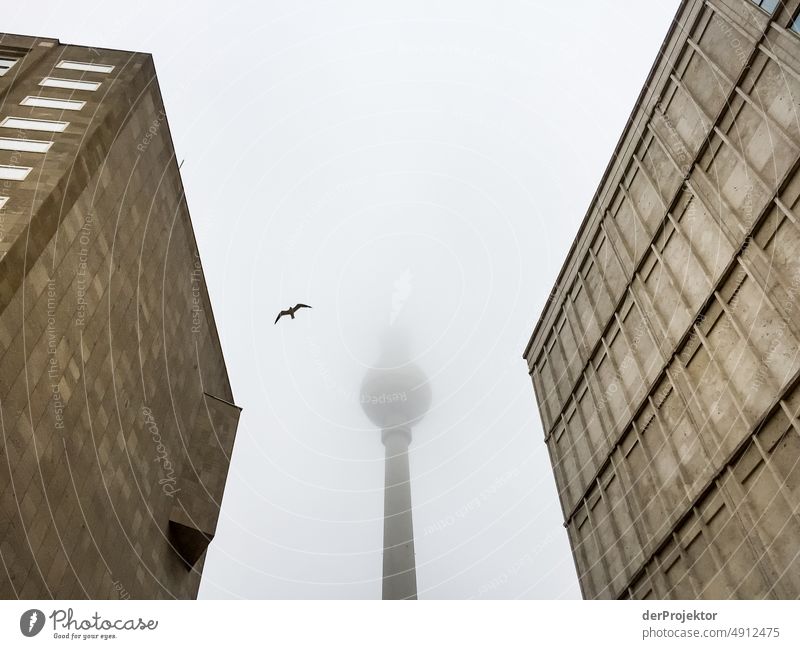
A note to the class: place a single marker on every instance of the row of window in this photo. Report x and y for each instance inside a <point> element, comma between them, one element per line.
<point>16,172</point>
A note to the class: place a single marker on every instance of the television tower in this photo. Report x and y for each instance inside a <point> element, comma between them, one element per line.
<point>395,395</point>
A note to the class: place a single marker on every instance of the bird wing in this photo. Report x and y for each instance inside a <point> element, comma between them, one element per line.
<point>302,306</point>
<point>280,315</point>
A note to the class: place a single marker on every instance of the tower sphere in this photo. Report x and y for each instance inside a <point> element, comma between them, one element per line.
<point>395,396</point>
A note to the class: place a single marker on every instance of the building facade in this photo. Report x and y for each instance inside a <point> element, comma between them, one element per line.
<point>666,363</point>
<point>116,413</point>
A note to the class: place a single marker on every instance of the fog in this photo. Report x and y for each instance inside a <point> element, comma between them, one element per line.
<point>415,165</point>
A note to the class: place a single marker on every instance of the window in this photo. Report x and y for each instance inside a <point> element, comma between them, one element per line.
<point>795,26</point>
<point>6,63</point>
<point>767,5</point>
<point>3,201</point>
<point>70,84</point>
<point>10,172</point>
<point>85,67</point>
<point>26,124</point>
<point>31,146</point>
<point>50,102</point>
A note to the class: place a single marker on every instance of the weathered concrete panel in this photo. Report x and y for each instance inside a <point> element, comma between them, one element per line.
<point>672,422</point>
<point>104,366</point>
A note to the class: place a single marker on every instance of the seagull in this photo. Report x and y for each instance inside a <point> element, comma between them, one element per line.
<point>291,311</point>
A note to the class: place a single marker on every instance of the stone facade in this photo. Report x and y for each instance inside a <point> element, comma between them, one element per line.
<point>666,363</point>
<point>116,412</point>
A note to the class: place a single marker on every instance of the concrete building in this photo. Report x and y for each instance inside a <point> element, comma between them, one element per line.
<point>116,414</point>
<point>666,363</point>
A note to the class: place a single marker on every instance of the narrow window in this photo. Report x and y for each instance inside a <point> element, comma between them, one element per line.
<point>85,67</point>
<point>795,26</point>
<point>51,102</point>
<point>10,172</point>
<point>31,146</point>
<point>29,124</point>
<point>767,5</point>
<point>70,84</point>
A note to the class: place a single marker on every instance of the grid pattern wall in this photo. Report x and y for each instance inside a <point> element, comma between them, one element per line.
<point>740,538</point>
<point>678,327</point>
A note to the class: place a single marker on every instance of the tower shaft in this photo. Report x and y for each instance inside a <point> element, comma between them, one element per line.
<point>399,564</point>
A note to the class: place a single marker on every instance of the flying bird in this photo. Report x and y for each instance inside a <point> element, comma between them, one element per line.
<point>291,311</point>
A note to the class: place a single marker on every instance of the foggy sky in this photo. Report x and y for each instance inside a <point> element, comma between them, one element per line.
<point>422,164</point>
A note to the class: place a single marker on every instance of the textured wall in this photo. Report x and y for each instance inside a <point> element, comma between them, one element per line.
<point>117,422</point>
<point>666,363</point>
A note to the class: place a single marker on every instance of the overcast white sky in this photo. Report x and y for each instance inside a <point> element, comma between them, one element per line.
<point>422,160</point>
